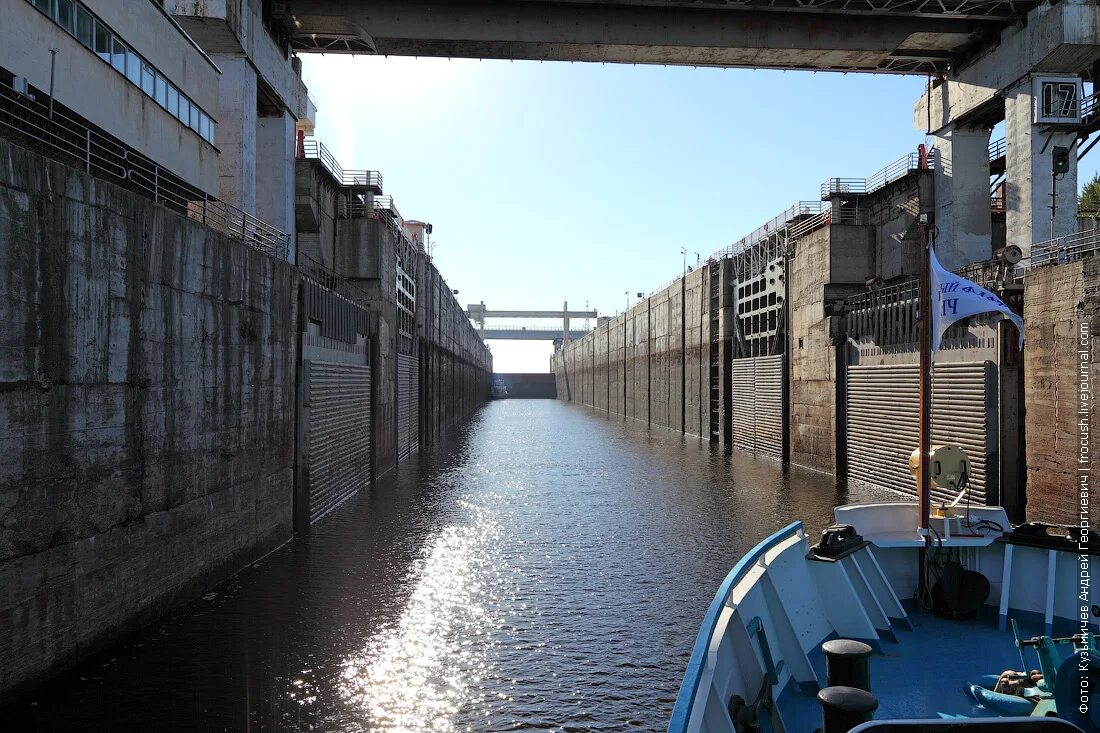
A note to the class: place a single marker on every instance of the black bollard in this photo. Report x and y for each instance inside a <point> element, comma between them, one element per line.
<point>843,708</point>
<point>848,663</point>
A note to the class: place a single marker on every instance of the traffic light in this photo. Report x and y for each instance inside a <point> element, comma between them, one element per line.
<point>1059,161</point>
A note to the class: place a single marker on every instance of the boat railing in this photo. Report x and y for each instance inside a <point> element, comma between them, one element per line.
<point>685,700</point>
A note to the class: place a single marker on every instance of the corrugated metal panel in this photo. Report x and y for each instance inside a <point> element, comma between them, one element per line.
<point>743,412</point>
<point>338,446</point>
<point>757,404</point>
<point>769,405</point>
<point>883,407</point>
<point>408,405</point>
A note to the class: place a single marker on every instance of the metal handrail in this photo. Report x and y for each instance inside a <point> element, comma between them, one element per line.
<point>354,207</point>
<point>997,149</point>
<point>385,207</point>
<point>1089,104</point>
<point>68,138</point>
<point>785,220</point>
<point>667,285</point>
<point>776,223</point>
<point>331,279</point>
<point>1065,249</point>
<point>806,226</point>
<point>384,202</point>
<point>312,149</point>
<point>892,171</point>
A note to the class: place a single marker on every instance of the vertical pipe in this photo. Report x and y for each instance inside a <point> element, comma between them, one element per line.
<point>648,361</point>
<point>1053,193</point>
<point>300,500</point>
<point>53,66</point>
<point>785,387</point>
<point>923,478</point>
<point>683,354</point>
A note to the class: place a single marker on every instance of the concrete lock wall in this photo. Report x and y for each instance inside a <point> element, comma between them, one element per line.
<point>455,364</point>
<point>674,338</point>
<point>616,373</point>
<point>659,373</point>
<point>696,358</point>
<point>811,361</point>
<point>147,403</point>
<point>666,339</point>
<point>315,213</point>
<point>366,255</point>
<point>650,363</point>
<point>639,362</point>
<point>1054,311</point>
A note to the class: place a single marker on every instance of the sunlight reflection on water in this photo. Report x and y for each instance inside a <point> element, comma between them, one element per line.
<point>418,673</point>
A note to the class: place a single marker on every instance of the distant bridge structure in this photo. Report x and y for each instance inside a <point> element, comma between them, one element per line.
<point>478,313</point>
<point>533,333</point>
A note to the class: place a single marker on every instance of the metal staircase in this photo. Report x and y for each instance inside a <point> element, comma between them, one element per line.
<point>715,275</point>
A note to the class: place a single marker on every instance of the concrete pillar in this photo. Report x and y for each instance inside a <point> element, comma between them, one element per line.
<point>275,184</point>
<point>1028,181</point>
<point>236,135</point>
<point>962,196</point>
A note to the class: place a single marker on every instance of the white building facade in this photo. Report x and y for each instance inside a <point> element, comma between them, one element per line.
<point>124,66</point>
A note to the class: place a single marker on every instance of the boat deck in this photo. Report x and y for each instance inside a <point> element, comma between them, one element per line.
<point>924,674</point>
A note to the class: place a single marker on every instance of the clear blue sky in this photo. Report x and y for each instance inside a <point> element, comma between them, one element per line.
<point>548,182</point>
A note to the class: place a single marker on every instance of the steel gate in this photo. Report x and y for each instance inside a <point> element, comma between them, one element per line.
<point>757,404</point>
<point>337,460</point>
<point>883,406</point>
<point>408,405</point>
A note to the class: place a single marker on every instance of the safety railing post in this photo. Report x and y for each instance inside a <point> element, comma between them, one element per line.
<point>88,150</point>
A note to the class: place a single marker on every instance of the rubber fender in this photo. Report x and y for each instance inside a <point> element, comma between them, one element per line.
<point>1073,683</point>
<point>1002,704</point>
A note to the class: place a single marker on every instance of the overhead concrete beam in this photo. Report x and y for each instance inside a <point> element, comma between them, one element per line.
<point>644,34</point>
<point>1063,38</point>
<point>531,314</point>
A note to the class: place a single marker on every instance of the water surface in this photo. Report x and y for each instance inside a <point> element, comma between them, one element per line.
<point>547,570</point>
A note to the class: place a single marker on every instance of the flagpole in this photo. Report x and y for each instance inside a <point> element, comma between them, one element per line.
<point>925,333</point>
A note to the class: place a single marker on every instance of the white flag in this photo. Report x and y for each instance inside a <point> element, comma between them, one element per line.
<point>955,297</point>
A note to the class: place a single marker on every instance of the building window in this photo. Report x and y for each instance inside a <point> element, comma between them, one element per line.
<point>161,91</point>
<point>79,22</point>
<point>118,55</point>
<point>85,27</point>
<point>66,15</point>
<point>148,77</point>
<point>173,100</point>
<point>133,68</point>
<point>103,43</point>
